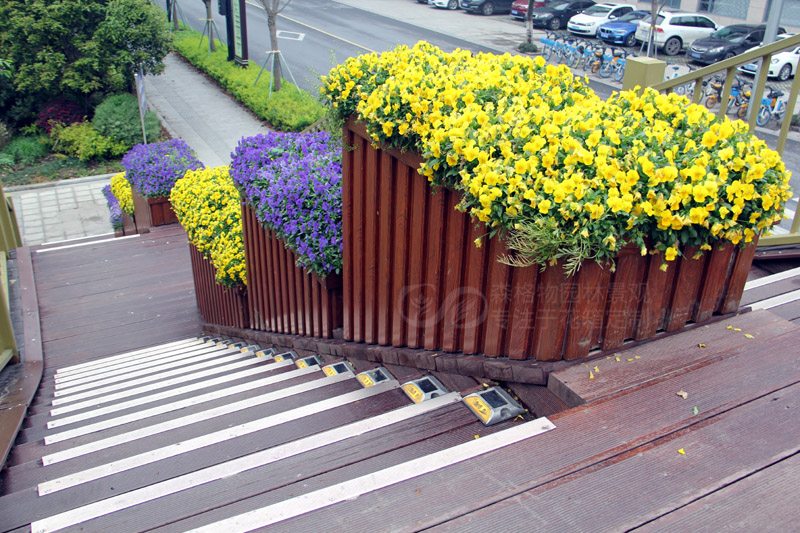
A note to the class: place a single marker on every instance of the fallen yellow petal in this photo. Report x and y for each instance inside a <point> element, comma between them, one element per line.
<point>749,336</point>
<point>591,375</point>
<point>596,369</point>
<point>682,451</point>
<point>631,359</point>
<point>701,345</point>
<point>617,358</point>
<point>477,436</point>
<point>683,394</point>
<point>729,327</point>
<point>636,357</point>
<point>737,329</point>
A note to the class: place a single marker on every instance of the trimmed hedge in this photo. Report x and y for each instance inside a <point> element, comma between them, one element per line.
<point>287,110</point>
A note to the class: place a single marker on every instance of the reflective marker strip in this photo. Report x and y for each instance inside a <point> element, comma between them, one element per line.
<point>157,384</point>
<point>161,396</point>
<point>126,380</point>
<point>134,353</point>
<point>116,440</point>
<point>174,406</point>
<point>210,439</point>
<point>237,466</point>
<point>319,499</point>
<point>120,366</point>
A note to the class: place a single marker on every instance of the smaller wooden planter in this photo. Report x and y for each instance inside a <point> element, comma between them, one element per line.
<point>285,298</point>
<point>220,305</point>
<point>151,212</point>
<point>128,226</point>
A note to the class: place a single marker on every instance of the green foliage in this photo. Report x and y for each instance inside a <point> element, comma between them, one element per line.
<point>5,135</point>
<point>76,48</point>
<point>528,48</point>
<point>287,110</point>
<point>118,119</point>
<point>26,150</point>
<point>81,140</point>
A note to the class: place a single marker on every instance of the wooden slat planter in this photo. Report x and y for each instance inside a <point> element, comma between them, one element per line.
<point>150,212</point>
<point>128,226</point>
<point>284,297</point>
<point>225,306</point>
<point>413,276</point>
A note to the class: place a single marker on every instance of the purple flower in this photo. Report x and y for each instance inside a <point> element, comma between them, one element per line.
<point>152,169</point>
<point>115,211</point>
<point>294,183</point>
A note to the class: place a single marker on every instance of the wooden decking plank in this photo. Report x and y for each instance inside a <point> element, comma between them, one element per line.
<point>790,311</point>
<point>292,471</point>
<point>770,290</point>
<point>584,438</point>
<point>664,357</point>
<point>26,506</point>
<point>766,500</point>
<point>649,481</point>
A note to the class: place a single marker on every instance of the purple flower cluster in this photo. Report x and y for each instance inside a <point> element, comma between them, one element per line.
<point>294,182</point>
<point>152,169</point>
<point>113,207</point>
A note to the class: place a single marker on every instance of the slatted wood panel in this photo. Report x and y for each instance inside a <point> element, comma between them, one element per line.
<point>414,277</point>
<point>226,306</point>
<point>284,297</point>
<point>152,212</point>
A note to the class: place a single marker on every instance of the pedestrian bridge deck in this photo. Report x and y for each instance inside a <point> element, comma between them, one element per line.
<point>695,430</point>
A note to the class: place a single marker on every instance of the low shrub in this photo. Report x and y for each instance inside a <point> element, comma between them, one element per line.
<point>121,190</point>
<point>528,48</point>
<point>81,140</point>
<point>294,183</point>
<point>207,206</point>
<point>117,118</point>
<point>59,111</point>
<point>153,169</point>
<point>289,110</point>
<point>26,150</point>
<point>5,135</point>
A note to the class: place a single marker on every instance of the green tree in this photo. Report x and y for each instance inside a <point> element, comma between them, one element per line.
<point>77,48</point>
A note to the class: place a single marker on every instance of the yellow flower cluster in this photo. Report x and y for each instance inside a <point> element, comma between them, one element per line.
<point>528,142</point>
<point>122,190</point>
<point>207,205</point>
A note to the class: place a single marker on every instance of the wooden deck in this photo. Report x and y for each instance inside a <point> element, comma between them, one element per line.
<point>696,431</point>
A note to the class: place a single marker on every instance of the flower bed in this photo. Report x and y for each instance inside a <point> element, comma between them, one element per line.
<point>291,190</point>
<point>152,170</point>
<point>562,178</point>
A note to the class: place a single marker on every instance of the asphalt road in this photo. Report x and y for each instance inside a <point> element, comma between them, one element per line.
<point>315,35</point>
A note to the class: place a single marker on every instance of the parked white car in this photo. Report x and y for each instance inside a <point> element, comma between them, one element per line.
<point>675,30</point>
<point>586,23</point>
<point>783,64</point>
<point>444,4</point>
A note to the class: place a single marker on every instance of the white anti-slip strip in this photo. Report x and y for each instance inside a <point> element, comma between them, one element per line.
<point>216,437</point>
<point>140,433</point>
<point>242,464</point>
<point>136,402</point>
<point>105,241</point>
<point>151,372</point>
<point>766,280</point>
<point>133,353</point>
<point>776,301</point>
<point>145,361</point>
<point>157,382</point>
<point>174,406</point>
<point>359,486</point>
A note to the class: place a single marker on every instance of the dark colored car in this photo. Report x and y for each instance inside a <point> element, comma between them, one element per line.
<point>520,7</point>
<point>727,42</point>
<point>555,14</point>
<point>487,7</point>
<point>623,30</point>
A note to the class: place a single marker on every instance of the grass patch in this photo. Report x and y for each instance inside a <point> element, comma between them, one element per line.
<point>288,110</point>
<point>55,168</point>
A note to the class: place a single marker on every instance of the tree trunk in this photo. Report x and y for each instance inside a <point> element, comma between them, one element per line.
<point>210,26</point>
<point>273,41</point>
<point>529,22</point>
<point>175,16</point>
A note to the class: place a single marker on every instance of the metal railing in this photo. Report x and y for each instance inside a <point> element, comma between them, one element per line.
<point>9,239</point>
<point>650,69</point>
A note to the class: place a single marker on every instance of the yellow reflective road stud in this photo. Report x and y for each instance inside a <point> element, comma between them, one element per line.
<point>480,408</point>
<point>414,392</point>
<point>278,358</point>
<point>302,364</point>
<point>365,380</point>
<point>329,371</point>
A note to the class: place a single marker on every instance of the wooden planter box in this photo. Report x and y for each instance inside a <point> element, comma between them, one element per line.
<point>413,276</point>
<point>128,226</point>
<point>225,306</point>
<point>285,298</point>
<point>150,212</point>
